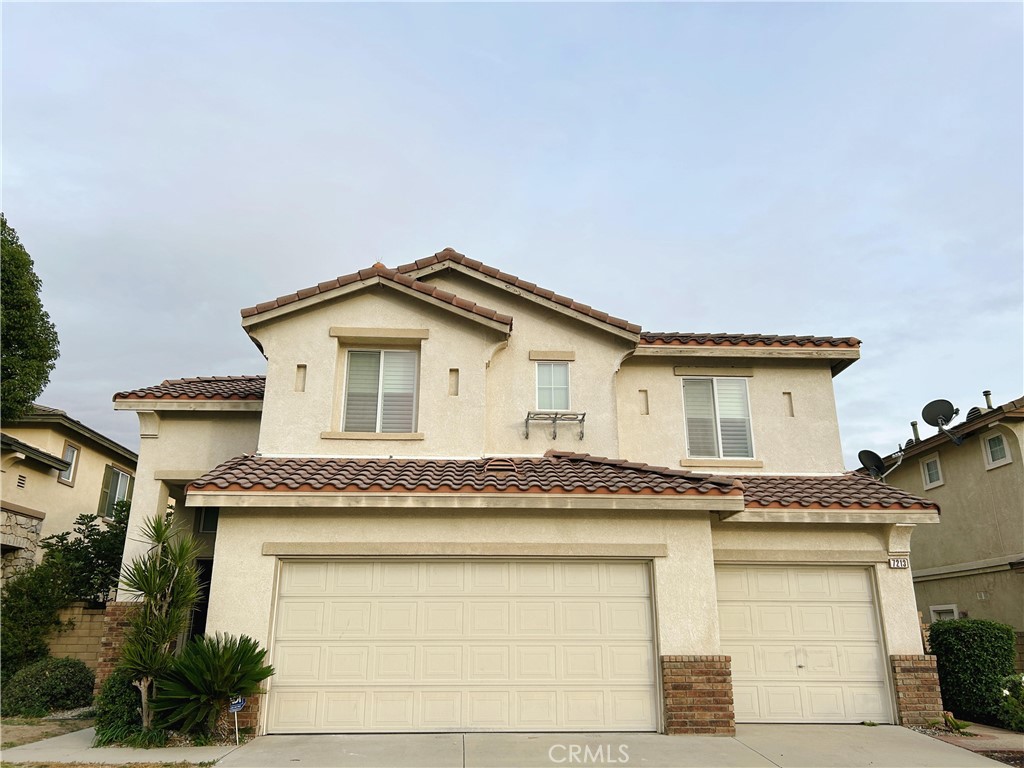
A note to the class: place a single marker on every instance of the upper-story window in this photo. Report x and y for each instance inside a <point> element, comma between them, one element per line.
<point>931,471</point>
<point>380,391</point>
<point>717,413</point>
<point>553,386</point>
<point>996,451</point>
<point>70,454</point>
<point>117,486</point>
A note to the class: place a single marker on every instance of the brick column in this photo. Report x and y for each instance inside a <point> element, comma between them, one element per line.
<point>698,695</point>
<point>249,717</point>
<point>115,624</point>
<point>918,698</point>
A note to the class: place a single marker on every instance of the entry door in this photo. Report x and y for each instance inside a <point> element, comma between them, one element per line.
<point>475,645</point>
<point>805,644</point>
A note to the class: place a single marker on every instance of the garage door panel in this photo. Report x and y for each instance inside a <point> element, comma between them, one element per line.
<point>812,655</point>
<point>468,645</point>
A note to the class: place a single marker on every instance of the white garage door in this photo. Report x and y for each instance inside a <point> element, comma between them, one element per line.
<point>805,644</point>
<point>477,645</point>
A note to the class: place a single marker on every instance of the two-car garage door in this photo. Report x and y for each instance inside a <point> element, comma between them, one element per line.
<point>805,644</point>
<point>447,645</point>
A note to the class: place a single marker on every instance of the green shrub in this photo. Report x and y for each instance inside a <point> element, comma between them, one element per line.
<point>48,685</point>
<point>1012,704</point>
<point>118,709</point>
<point>30,603</point>
<point>204,677</point>
<point>973,656</point>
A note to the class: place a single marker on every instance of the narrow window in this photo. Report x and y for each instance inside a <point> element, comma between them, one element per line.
<point>117,486</point>
<point>70,454</point>
<point>717,413</point>
<point>552,386</point>
<point>931,472</point>
<point>380,391</point>
<point>996,450</point>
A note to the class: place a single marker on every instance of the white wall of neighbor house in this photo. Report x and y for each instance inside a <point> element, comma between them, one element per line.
<point>831,545</point>
<point>187,445</point>
<point>792,406</point>
<point>243,590</point>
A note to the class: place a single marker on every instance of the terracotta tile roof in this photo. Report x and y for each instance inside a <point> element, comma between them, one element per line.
<point>381,272</point>
<point>555,472</point>
<point>200,388</point>
<point>744,340</point>
<point>848,491</point>
<point>450,254</point>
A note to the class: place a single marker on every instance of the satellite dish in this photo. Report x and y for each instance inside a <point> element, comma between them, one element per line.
<point>872,462</point>
<point>939,413</point>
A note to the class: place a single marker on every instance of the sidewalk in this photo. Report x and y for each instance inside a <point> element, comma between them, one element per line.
<point>985,738</point>
<point>77,748</point>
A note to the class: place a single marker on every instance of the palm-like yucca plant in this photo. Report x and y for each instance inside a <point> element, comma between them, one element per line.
<point>165,584</point>
<point>204,676</point>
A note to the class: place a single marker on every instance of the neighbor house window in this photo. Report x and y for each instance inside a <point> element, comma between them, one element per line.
<point>70,454</point>
<point>380,391</point>
<point>931,472</point>
<point>208,517</point>
<point>943,612</point>
<point>717,413</point>
<point>117,486</point>
<point>996,450</point>
<point>552,386</point>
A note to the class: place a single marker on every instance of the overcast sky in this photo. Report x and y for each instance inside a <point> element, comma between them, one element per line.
<point>829,169</point>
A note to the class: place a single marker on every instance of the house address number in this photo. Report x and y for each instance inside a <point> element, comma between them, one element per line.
<point>899,562</point>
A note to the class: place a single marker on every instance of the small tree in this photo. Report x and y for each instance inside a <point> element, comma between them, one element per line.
<point>92,555</point>
<point>972,656</point>
<point>165,582</point>
<point>29,341</point>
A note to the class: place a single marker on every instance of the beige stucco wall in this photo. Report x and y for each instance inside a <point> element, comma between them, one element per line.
<point>451,425</point>
<point>822,544</point>
<point>186,446</point>
<point>981,528</point>
<point>242,594</point>
<point>807,441</point>
<point>60,502</point>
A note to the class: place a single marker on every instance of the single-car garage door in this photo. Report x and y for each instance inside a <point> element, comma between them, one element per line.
<point>478,645</point>
<point>805,644</point>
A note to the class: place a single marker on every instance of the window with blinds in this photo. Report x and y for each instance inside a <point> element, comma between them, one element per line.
<point>717,414</point>
<point>380,391</point>
<point>552,386</point>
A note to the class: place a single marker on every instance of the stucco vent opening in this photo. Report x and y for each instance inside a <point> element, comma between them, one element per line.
<point>500,466</point>
<point>22,480</point>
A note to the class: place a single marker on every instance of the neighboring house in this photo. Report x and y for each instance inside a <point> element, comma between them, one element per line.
<point>412,513</point>
<point>972,565</point>
<point>55,468</point>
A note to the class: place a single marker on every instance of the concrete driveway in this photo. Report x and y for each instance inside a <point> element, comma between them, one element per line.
<point>754,746</point>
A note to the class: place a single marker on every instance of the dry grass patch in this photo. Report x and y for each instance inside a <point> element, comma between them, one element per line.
<point>15,731</point>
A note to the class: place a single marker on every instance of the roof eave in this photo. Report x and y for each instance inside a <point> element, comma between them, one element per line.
<point>833,515</point>
<point>10,443</point>
<point>81,429</point>
<point>186,404</point>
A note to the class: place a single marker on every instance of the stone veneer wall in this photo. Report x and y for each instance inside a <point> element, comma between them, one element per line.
<point>698,695</point>
<point>918,697</point>
<point>82,640</point>
<point>115,624</point>
<point>19,535</point>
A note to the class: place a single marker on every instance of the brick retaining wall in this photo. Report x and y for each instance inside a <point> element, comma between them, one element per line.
<point>918,697</point>
<point>698,695</point>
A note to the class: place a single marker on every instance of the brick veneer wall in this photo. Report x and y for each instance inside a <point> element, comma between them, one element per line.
<point>115,624</point>
<point>1018,663</point>
<point>82,641</point>
<point>698,695</point>
<point>918,697</point>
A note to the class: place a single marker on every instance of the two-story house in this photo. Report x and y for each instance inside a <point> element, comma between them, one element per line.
<point>412,511</point>
<point>55,468</point>
<point>973,564</point>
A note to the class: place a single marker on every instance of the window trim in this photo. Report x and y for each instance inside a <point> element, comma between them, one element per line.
<point>718,421</point>
<point>70,481</point>
<point>380,393</point>
<point>932,609</point>
<point>568,386</point>
<point>991,463</point>
<point>924,461</point>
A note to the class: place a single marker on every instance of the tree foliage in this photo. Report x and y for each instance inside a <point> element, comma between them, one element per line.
<point>29,340</point>
<point>83,566</point>
<point>166,584</point>
<point>972,656</point>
